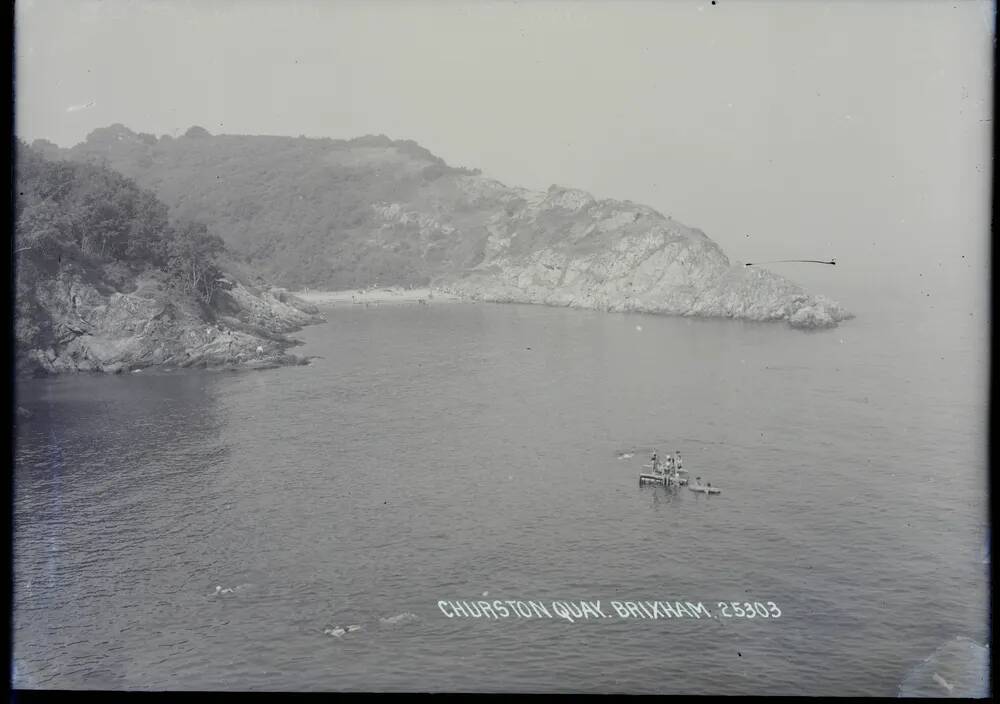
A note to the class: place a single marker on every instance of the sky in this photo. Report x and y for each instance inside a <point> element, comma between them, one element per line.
<point>858,130</point>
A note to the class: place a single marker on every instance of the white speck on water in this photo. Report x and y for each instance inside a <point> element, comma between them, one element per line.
<point>400,618</point>
<point>639,328</point>
<point>943,682</point>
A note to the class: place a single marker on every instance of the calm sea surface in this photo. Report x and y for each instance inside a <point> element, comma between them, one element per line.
<point>449,451</point>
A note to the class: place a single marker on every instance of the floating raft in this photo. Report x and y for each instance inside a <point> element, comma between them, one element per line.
<point>660,479</point>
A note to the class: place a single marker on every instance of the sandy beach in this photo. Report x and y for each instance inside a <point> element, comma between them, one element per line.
<point>377,296</point>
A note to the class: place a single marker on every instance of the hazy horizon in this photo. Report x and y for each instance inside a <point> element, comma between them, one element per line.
<point>860,131</point>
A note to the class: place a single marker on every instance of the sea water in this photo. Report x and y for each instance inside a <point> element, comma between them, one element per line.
<point>297,528</point>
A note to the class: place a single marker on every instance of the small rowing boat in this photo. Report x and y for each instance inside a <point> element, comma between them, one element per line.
<point>704,489</point>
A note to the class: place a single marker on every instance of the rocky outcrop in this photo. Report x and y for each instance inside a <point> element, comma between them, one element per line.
<point>82,325</point>
<point>566,248</point>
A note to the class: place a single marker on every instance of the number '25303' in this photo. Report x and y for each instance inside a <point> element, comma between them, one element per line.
<point>748,610</point>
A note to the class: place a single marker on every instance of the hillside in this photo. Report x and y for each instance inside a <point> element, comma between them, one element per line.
<point>107,281</point>
<point>341,214</point>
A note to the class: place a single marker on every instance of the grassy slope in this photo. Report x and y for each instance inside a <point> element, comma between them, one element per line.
<point>299,209</point>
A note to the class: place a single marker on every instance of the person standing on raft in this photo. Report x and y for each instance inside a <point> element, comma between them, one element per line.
<point>671,465</point>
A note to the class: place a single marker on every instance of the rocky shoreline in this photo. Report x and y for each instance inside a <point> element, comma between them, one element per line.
<point>86,329</point>
<point>753,295</point>
<point>747,294</point>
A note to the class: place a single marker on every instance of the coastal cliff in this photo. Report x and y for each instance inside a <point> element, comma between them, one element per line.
<point>78,325</point>
<point>106,283</point>
<point>348,214</point>
<point>618,256</point>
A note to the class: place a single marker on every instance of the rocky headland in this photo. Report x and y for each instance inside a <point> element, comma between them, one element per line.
<point>107,283</point>
<point>341,215</point>
<point>618,256</point>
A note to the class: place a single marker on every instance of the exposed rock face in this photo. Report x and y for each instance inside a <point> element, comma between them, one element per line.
<point>339,214</point>
<point>105,282</point>
<point>81,325</point>
<point>618,256</point>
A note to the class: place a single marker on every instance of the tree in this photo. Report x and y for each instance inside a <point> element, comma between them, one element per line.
<point>191,258</point>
